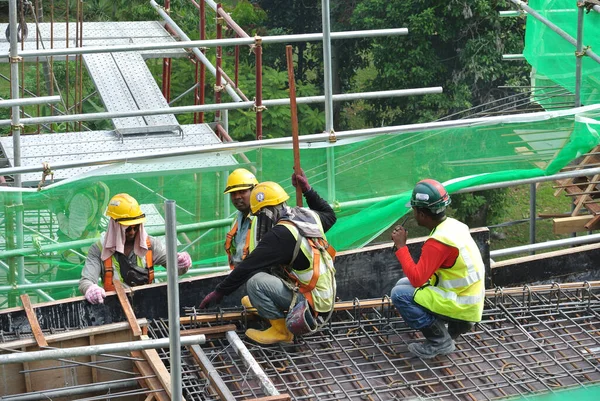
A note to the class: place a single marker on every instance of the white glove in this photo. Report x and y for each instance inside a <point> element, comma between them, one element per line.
<point>184,261</point>
<point>95,294</point>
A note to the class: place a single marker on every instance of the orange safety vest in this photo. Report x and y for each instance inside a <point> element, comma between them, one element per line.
<point>229,240</point>
<point>109,269</point>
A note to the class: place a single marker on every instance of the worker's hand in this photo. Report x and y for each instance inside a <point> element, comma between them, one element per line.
<point>214,297</point>
<point>95,294</point>
<point>184,261</point>
<point>399,236</point>
<point>300,181</point>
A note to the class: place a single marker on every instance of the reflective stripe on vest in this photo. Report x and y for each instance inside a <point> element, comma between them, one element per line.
<point>456,292</point>
<point>230,243</point>
<point>112,261</point>
<point>317,282</point>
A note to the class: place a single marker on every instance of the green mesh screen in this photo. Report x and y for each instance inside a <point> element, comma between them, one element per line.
<point>368,180</point>
<point>554,57</point>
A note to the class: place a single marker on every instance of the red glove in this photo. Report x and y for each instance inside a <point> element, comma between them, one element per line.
<point>300,180</point>
<point>214,297</point>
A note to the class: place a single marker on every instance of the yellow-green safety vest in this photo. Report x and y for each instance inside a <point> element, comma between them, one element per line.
<point>457,292</point>
<point>317,282</point>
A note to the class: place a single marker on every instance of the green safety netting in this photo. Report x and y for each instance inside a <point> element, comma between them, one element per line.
<point>553,57</point>
<point>368,180</point>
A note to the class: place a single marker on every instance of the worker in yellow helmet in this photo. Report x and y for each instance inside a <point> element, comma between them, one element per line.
<point>125,252</point>
<point>290,269</point>
<point>447,284</point>
<point>238,242</point>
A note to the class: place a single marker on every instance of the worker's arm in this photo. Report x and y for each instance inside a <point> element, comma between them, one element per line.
<point>159,252</point>
<point>434,255</point>
<point>274,249</point>
<point>320,205</point>
<point>92,270</point>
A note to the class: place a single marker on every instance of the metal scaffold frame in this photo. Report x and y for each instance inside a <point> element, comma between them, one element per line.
<point>240,102</point>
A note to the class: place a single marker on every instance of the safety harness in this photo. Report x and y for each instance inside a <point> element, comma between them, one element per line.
<point>109,268</point>
<point>229,241</point>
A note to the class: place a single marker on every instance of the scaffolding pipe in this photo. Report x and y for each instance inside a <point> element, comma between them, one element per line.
<point>579,54</point>
<point>173,299</point>
<point>308,140</point>
<point>586,239</point>
<point>32,101</point>
<point>554,28</point>
<point>16,132</point>
<point>194,44</point>
<point>88,350</point>
<point>40,293</point>
<point>223,106</point>
<point>74,390</point>
<point>74,283</point>
<point>265,383</point>
<point>532,214</point>
<point>195,50</point>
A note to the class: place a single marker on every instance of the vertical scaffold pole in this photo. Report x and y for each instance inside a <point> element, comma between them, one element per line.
<point>328,100</point>
<point>173,299</point>
<point>258,102</point>
<point>219,64</point>
<point>579,54</point>
<point>16,133</point>
<point>166,84</point>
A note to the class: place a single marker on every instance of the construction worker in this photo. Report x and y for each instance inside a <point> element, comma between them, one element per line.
<point>291,251</point>
<point>126,253</point>
<point>239,242</point>
<point>447,284</point>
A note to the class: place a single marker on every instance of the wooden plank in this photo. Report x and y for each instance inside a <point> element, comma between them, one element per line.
<point>158,367</point>
<point>568,225</point>
<point>593,223</point>
<point>209,331</point>
<point>94,359</point>
<point>127,309</point>
<point>33,322</point>
<point>339,306</point>
<point>27,374</point>
<point>151,382</point>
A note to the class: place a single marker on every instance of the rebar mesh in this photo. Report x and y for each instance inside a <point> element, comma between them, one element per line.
<point>529,342</point>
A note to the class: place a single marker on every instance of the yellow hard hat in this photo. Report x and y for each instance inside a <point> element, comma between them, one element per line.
<point>267,193</point>
<point>239,180</point>
<point>125,210</point>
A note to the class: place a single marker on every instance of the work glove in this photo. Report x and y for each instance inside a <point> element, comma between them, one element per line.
<point>214,297</point>
<point>184,261</point>
<point>300,181</point>
<point>95,294</point>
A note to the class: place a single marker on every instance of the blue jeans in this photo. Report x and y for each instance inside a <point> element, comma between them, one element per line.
<point>413,314</point>
<point>270,295</point>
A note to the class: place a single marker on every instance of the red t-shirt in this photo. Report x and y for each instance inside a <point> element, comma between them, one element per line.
<point>434,255</point>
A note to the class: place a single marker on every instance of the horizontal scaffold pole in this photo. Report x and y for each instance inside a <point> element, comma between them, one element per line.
<point>58,353</point>
<point>224,106</point>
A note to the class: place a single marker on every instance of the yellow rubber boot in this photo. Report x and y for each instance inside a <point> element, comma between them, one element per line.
<point>248,305</point>
<point>277,333</point>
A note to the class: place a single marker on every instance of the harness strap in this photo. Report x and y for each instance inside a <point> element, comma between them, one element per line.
<point>229,238</point>
<point>109,270</point>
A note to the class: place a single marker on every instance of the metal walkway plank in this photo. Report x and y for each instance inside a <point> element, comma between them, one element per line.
<point>96,34</point>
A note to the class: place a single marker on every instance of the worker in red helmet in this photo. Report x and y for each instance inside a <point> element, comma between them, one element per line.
<point>446,286</point>
<point>125,253</point>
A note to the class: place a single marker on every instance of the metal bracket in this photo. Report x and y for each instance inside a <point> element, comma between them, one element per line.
<point>20,127</point>
<point>260,108</point>
<point>583,52</point>
<point>15,59</point>
<point>220,20</point>
<point>46,171</point>
<point>332,138</point>
<point>219,88</point>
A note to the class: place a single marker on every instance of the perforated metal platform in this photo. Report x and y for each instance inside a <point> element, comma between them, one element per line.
<point>125,83</point>
<point>96,34</point>
<point>78,146</point>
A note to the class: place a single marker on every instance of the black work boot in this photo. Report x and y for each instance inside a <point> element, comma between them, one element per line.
<point>437,341</point>
<point>455,329</point>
